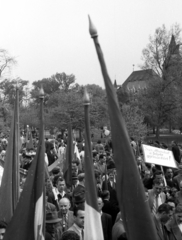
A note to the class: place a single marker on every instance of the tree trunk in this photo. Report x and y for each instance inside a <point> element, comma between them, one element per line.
<point>170,127</point>
<point>157,132</point>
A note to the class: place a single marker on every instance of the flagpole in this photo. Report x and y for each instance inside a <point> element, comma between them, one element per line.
<point>41,97</point>
<point>92,215</point>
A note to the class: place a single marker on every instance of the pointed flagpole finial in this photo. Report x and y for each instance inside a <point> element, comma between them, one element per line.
<point>92,29</point>
<point>86,98</point>
<point>41,92</point>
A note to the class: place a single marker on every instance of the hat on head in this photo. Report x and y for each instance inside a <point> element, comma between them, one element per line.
<point>81,176</point>
<point>52,217</point>
<point>56,170</point>
<point>79,198</point>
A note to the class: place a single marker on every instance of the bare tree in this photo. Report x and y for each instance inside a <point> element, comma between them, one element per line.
<point>6,61</point>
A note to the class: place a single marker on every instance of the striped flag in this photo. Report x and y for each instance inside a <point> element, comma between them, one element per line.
<point>134,208</point>
<point>9,191</point>
<point>28,221</point>
<point>93,225</point>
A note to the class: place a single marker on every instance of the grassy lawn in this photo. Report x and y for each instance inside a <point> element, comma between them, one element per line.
<point>166,138</point>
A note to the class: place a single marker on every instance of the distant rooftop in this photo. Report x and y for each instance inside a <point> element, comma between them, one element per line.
<point>139,79</point>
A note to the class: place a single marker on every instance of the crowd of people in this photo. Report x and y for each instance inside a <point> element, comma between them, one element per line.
<point>65,206</point>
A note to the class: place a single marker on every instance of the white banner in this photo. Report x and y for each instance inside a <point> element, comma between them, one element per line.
<point>159,156</point>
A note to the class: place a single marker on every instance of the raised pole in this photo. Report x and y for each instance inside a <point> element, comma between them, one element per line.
<point>41,97</point>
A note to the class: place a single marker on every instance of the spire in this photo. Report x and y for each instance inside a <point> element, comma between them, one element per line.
<point>173,47</point>
<point>115,84</point>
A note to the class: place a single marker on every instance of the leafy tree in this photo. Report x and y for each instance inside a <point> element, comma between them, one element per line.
<point>134,121</point>
<point>53,84</point>
<point>162,97</point>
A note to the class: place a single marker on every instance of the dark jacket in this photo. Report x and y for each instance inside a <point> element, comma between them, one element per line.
<point>106,220</point>
<point>110,209</point>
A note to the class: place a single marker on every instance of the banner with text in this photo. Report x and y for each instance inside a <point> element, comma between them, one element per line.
<point>159,156</point>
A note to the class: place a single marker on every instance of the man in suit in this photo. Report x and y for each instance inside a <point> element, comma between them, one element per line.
<point>175,225</point>
<point>106,221</point>
<point>163,215</point>
<point>111,187</point>
<point>156,196</point>
<point>79,217</point>
<point>108,207</point>
<point>65,215</point>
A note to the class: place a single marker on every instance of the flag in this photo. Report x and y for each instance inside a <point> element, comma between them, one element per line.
<point>130,191</point>
<point>28,220</point>
<point>9,190</point>
<point>93,225</point>
<point>67,168</point>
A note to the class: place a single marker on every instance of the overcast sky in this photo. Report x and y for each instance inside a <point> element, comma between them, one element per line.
<point>49,36</point>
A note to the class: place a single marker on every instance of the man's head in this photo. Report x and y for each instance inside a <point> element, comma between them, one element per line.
<point>97,177</point>
<point>158,175</point>
<point>81,178</point>
<point>64,205</point>
<point>70,235</point>
<point>171,202</point>
<point>74,166</point>
<point>169,173</point>
<point>100,204</point>
<point>79,215</point>
<point>164,213</point>
<point>102,158</point>
<point>3,226</point>
<point>111,176</point>
<point>60,184</point>
<point>105,195</point>
<point>139,160</point>
<point>178,214</point>
<point>157,186</point>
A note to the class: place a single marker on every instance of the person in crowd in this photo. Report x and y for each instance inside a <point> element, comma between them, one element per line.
<point>49,207</point>
<point>169,178</point>
<point>74,180</point>
<point>162,216</point>
<point>171,202</point>
<point>156,175</point>
<point>99,147</point>
<point>74,166</point>
<point>101,164</point>
<point>98,182</point>
<point>174,227</point>
<point>177,179</point>
<point>65,214</point>
<point>141,166</point>
<point>52,227</point>
<point>156,196</point>
<point>70,235</point>
<point>60,189</point>
<point>176,151</point>
<point>118,230</point>
<point>112,187</point>
<point>3,226</point>
<point>80,189</point>
<point>178,195</point>
<point>106,220</point>
<point>78,225</point>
